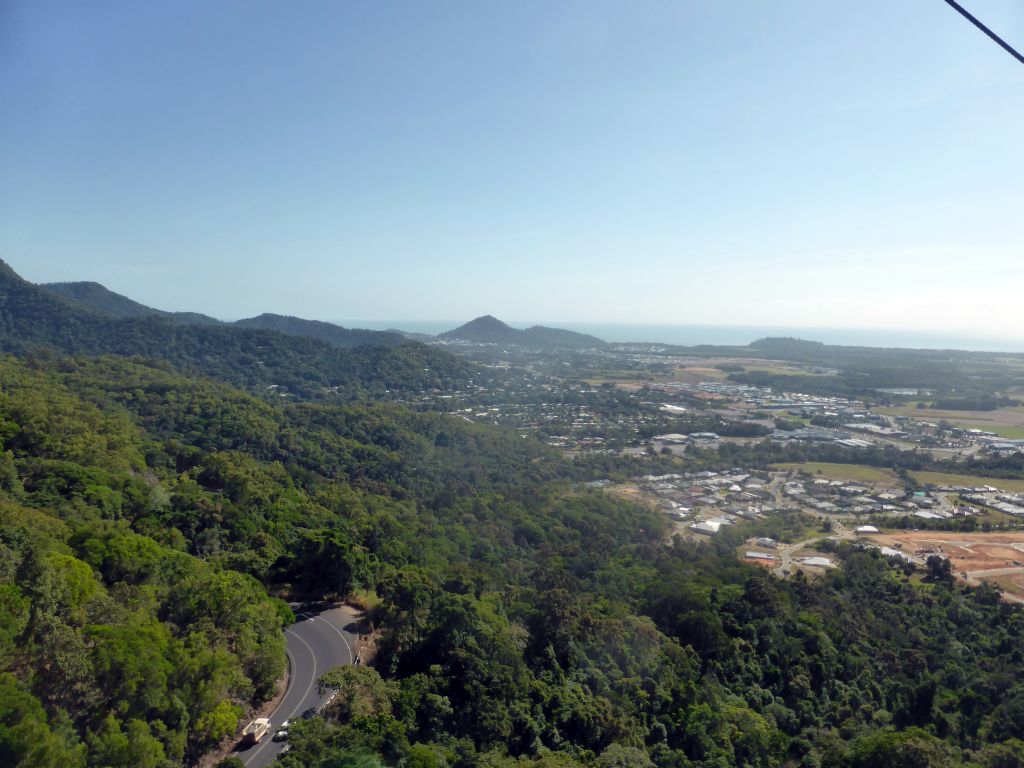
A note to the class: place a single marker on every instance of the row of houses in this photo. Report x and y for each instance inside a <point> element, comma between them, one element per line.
<point>835,496</point>
<point>737,492</point>
<point>1010,504</point>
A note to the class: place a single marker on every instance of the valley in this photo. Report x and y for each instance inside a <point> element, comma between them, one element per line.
<point>530,545</point>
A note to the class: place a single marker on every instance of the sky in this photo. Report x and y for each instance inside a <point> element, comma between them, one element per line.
<point>795,163</point>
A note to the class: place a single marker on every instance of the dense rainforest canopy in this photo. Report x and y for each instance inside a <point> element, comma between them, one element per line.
<point>143,515</point>
<point>259,359</point>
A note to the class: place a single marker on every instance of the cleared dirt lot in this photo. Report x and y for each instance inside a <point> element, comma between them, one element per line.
<point>968,551</point>
<point>972,553</point>
<point>1011,584</point>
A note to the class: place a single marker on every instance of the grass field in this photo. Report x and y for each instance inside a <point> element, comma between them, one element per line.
<point>782,370</point>
<point>1011,584</point>
<point>852,472</point>
<point>1009,431</point>
<point>696,373</point>
<point>627,384</point>
<point>1005,422</point>
<point>631,379</point>
<point>941,478</point>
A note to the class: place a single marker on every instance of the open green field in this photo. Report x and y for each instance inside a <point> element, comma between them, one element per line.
<point>697,373</point>
<point>633,379</point>
<point>623,382</point>
<point>1005,422</point>
<point>942,478</point>
<point>853,472</point>
<point>1012,414</point>
<point>783,370</point>
<point>1009,431</point>
<point>911,411</point>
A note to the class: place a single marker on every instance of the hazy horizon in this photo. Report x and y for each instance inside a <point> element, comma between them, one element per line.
<point>730,335</point>
<point>684,334</point>
<point>791,165</point>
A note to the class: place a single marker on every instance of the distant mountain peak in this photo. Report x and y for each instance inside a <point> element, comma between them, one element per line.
<point>488,329</point>
<point>486,323</point>
<point>299,359</point>
<point>7,270</point>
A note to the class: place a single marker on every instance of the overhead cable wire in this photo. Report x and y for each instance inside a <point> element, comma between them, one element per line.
<point>967,15</point>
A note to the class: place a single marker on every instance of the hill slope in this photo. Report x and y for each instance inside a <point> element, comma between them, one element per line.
<point>332,334</point>
<point>99,297</point>
<point>489,329</point>
<point>142,510</point>
<point>31,317</point>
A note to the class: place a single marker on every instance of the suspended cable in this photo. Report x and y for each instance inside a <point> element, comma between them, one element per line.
<point>1006,46</point>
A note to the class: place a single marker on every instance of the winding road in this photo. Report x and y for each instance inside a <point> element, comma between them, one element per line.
<point>317,641</point>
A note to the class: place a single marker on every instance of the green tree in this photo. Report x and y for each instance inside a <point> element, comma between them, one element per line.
<point>26,739</point>
<point>219,722</point>
<point>912,748</point>
<point>132,747</point>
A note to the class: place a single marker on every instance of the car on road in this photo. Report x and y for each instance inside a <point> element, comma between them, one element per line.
<point>282,733</point>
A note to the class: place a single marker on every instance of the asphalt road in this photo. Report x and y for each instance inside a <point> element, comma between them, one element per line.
<point>784,568</point>
<point>316,642</point>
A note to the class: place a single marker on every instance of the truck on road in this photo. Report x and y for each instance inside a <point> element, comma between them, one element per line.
<point>255,730</point>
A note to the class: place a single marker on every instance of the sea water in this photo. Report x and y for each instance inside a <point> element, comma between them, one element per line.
<point>733,335</point>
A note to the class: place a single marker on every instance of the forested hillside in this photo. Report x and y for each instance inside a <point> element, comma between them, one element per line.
<point>94,296</point>
<point>332,334</point>
<point>490,329</point>
<point>117,649</point>
<point>865,370</point>
<point>32,318</point>
<point>142,515</point>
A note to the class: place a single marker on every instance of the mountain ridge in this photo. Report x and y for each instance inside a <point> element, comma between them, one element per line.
<point>32,318</point>
<point>98,297</point>
<point>335,335</point>
<point>489,329</point>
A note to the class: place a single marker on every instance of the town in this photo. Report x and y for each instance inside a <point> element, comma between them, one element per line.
<point>802,487</point>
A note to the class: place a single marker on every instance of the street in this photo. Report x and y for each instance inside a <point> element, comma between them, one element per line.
<point>316,643</point>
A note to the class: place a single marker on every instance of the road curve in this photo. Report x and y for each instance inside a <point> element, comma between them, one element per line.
<point>316,642</point>
<point>784,568</point>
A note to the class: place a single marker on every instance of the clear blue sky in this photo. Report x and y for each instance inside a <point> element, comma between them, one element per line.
<point>798,162</point>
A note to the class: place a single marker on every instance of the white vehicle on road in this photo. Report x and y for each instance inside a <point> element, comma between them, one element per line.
<point>255,730</point>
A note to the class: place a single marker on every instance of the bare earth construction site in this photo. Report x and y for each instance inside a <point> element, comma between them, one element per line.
<point>993,557</point>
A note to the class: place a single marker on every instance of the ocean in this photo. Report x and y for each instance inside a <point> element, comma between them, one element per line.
<point>730,335</point>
